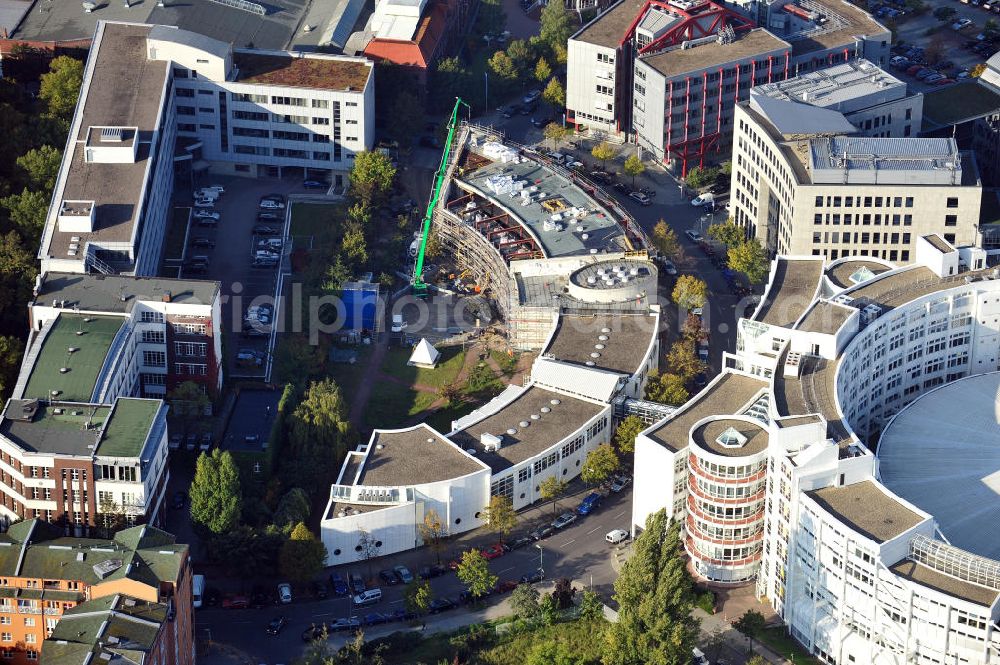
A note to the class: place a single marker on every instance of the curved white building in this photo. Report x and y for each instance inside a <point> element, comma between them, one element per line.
<point>859,569</point>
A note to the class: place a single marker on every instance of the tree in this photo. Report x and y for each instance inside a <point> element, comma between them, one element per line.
<point>667,389</point>
<point>433,531</point>
<point>944,13</point>
<point>11,349</point>
<point>434,247</point>
<point>551,489</point>
<point>292,509</point>
<point>690,292</point>
<point>27,211</point>
<point>693,329</point>
<point>450,392</point>
<point>371,176</point>
<point>521,54</point>
<point>556,133</point>
<point>317,436</point>
<point>355,247</point>
<point>601,462</point>
<point>552,653</point>
<point>625,435</point>
<point>216,497</point>
<point>17,268</point>
<point>591,606</point>
<point>189,402</point>
<point>41,164</point>
<point>302,556</point>
<point>60,87</point>
<point>418,597</point>
<point>727,233</point>
<point>655,595</point>
<point>750,259</point>
<point>501,64</point>
<point>751,624</point>
<point>524,602</point>
<point>683,360</point>
<point>563,592</point>
<point>474,572</point>
<point>633,166</point>
<point>407,113</point>
<point>602,152</point>
<point>554,93</point>
<point>977,70</point>
<point>248,552</point>
<point>370,548</point>
<point>543,70</point>
<point>756,659</point>
<point>556,25</point>
<point>499,516</point>
<point>665,240</point>
<point>698,177</point>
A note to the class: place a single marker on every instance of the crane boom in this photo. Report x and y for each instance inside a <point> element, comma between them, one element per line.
<point>419,287</point>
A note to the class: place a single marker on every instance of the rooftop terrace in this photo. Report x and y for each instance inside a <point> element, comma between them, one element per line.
<point>300,70</point>
<point>104,292</point>
<point>623,340</point>
<point>790,291</point>
<point>531,436</point>
<point>727,395</point>
<point>868,509</point>
<point>414,456</point>
<point>91,337</point>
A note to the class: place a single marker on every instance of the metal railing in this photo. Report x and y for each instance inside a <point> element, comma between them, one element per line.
<point>243,5</point>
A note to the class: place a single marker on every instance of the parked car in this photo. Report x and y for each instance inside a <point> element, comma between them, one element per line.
<point>204,203</point>
<point>403,573</point>
<point>529,108</point>
<point>440,605</point>
<point>944,81</point>
<point>265,230</point>
<point>270,204</point>
<point>373,619</point>
<point>268,216</point>
<point>492,552</point>
<point>532,578</point>
<point>600,177</point>
<point>175,442</point>
<point>314,184</point>
<point>235,603</point>
<point>707,197</point>
<point>961,23</point>
<point>694,235</point>
<point>535,94</point>
<point>207,243</point>
<point>541,120</point>
<point>285,593</point>
<point>429,572</point>
<point>564,521</point>
<point>206,441</point>
<point>641,198</point>
<point>518,543</point>
<point>206,214</point>
<point>339,585</point>
<point>616,536</point>
<point>542,532</point>
<point>669,267</point>
<point>276,625</point>
<point>589,504</point>
<point>620,483</point>
<point>346,623</point>
<point>313,632</point>
<point>180,498</point>
<point>319,590</point>
<point>388,576</point>
<point>505,586</point>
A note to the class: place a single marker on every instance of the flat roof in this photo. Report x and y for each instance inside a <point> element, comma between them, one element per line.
<point>825,317</point>
<point>624,339</point>
<point>853,22</point>
<point>726,395</point>
<point>609,28</point>
<point>841,274</point>
<point>845,87</point>
<point>302,70</point>
<point>955,104</point>
<point>868,509</point>
<point>940,453</point>
<point>903,285</point>
<point>540,291</point>
<point>601,228</point>
<point>864,159</point>
<point>92,347</point>
<point>946,584</point>
<point>939,243</point>
<point>58,434</point>
<point>414,456</point>
<point>104,293</point>
<point>677,60</point>
<point>813,391</point>
<point>128,427</point>
<point>706,436</point>
<point>790,292</point>
<point>565,417</point>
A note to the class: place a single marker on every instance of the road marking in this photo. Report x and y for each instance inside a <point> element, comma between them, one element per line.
<point>507,569</point>
<point>568,542</point>
<point>593,530</point>
<point>325,614</point>
<point>620,514</point>
<point>395,602</point>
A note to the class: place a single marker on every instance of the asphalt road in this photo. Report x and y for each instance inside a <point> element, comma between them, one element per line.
<point>577,552</point>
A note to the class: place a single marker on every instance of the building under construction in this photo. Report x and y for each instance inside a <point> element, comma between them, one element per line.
<point>525,231</point>
<point>667,74</point>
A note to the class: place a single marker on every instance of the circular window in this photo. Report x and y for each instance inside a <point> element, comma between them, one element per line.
<point>458,520</point>
<point>336,552</point>
<point>358,548</point>
<point>522,495</point>
<point>565,471</point>
<point>536,488</point>
<point>378,543</point>
<point>578,462</point>
<point>477,515</point>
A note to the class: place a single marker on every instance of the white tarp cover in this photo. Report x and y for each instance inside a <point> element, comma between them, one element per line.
<point>498,152</point>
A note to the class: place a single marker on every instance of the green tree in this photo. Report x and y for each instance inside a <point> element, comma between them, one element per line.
<point>317,436</point>
<point>371,176</point>
<point>601,462</point>
<point>727,233</point>
<point>359,215</point>
<point>17,273</point>
<point>11,349</point>
<point>407,113</point>
<point>491,18</point>
<point>591,606</point>
<point>548,609</point>
<point>302,556</point>
<point>556,133</point>
<point>690,292</point>
<point>417,597</point>
<point>189,402</point>
<point>756,659</point>
<point>521,54</point>
<point>434,248</point>
<point>666,389</point>
<point>27,211</point>
<point>60,87</point>
<point>977,70</point>
<point>553,653</point>
<point>543,70</point>
<point>556,25</point>
<point>248,552</point>
<point>751,624</point>
<point>699,177</point>
<point>750,259</point>
<point>474,572</point>
<point>655,596</point>
<point>633,166</point>
<point>683,360</point>
<point>551,489</point>
<point>450,79</point>
<point>216,497</point>
<point>602,152</point>
<point>524,602</point>
<point>499,516</point>
<point>693,329</point>
<point>433,531</point>
<point>554,93</point>
<point>501,64</point>
<point>665,240</point>
<point>627,430</point>
<point>292,508</point>
<point>355,247</point>
<point>450,392</point>
<point>41,165</point>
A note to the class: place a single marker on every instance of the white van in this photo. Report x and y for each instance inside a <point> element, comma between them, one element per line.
<point>197,590</point>
<point>616,536</point>
<point>699,656</point>
<point>368,597</point>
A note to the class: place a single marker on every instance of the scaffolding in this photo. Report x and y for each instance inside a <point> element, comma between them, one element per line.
<point>955,562</point>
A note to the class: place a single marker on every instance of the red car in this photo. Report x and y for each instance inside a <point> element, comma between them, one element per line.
<point>235,603</point>
<point>453,564</point>
<point>492,552</point>
<point>506,586</point>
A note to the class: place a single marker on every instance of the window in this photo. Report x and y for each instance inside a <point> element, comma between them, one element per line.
<point>31,654</point>
<point>251,131</point>
<point>204,109</point>
<point>290,119</point>
<point>185,110</point>
<point>250,115</point>
<point>184,92</point>
<point>246,97</point>
<point>29,622</point>
<point>321,156</point>
<point>289,136</point>
<point>606,90</point>
<point>320,138</point>
<point>6,637</point>
<point>154,379</point>
<point>189,328</point>
<point>321,121</point>
<point>190,349</point>
<point>154,358</point>
<point>203,126</point>
<point>320,104</point>
<point>952,202</point>
<point>909,201</point>
<point>190,369</point>
<point>186,127</point>
<point>287,101</point>
<point>287,152</point>
<point>951,220</point>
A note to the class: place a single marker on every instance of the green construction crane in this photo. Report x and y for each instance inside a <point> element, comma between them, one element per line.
<point>419,287</point>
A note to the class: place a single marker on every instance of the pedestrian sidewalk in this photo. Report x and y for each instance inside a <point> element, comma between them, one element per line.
<point>712,624</point>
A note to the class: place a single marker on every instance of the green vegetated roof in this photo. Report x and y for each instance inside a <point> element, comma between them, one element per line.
<point>84,364</point>
<point>128,427</point>
<point>958,103</point>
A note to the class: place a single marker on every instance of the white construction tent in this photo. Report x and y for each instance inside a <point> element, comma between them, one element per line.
<point>424,355</point>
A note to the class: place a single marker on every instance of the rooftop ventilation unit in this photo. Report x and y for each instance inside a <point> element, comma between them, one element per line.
<point>491,442</point>
<point>105,568</point>
<point>112,134</point>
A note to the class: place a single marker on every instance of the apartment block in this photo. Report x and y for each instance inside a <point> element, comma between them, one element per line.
<point>668,75</point>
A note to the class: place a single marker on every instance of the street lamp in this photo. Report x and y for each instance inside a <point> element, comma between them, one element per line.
<point>541,565</point>
<point>486,78</point>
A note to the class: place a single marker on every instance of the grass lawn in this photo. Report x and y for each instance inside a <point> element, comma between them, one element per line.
<point>779,640</point>
<point>173,244</point>
<point>391,404</point>
<point>313,219</point>
<point>449,365</point>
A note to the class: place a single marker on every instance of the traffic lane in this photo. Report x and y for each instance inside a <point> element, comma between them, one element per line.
<point>578,552</point>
